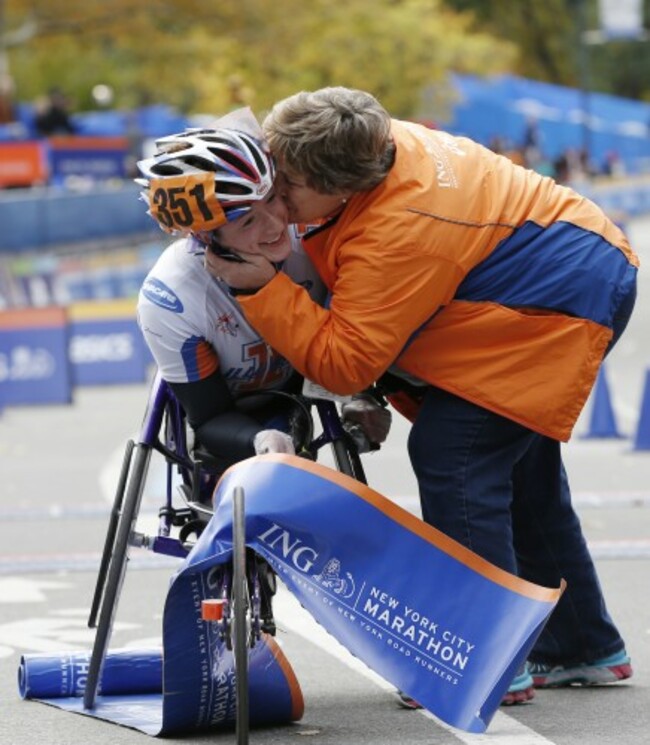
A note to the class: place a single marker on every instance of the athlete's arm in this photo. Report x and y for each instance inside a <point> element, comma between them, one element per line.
<point>221,429</point>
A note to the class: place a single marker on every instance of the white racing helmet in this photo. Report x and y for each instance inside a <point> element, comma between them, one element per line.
<point>202,178</point>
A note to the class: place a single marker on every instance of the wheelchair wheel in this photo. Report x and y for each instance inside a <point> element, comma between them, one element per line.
<point>110,535</point>
<point>116,568</point>
<point>240,601</point>
<point>347,460</point>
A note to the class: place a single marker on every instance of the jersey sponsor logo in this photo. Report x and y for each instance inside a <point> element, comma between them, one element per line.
<point>159,294</point>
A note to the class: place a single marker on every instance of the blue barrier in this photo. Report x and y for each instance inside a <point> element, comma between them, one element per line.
<point>34,366</point>
<point>42,217</point>
<point>49,216</point>
<point>106,346</point>
<point>629,197</point>
<point>96,158</point>
<point>45,352</point>
<point>504,106</point>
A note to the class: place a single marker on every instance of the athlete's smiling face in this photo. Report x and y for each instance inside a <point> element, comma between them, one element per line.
<point>263,230</point>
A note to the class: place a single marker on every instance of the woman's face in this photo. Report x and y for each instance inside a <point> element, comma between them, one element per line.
<point>304,203</point>
<point>262,230</point>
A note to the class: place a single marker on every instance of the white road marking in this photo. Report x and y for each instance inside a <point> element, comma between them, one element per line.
<point>51,635</point>
<point>410,502</point>
<point>634,548</point>
<point>81,562</point>
<point>14,590</point>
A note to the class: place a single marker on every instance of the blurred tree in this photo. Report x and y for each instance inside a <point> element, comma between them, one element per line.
<point>621,67</point>
<point>543,31</point>
<point>212,57</point>
<point>547,34</point>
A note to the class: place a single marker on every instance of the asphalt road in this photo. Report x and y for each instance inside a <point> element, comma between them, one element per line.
<point>58,468</point>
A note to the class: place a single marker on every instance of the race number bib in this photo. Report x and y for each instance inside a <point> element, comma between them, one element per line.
<point>186,202</point>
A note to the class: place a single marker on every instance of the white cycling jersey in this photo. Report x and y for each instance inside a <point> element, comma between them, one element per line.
<point>193,326</point>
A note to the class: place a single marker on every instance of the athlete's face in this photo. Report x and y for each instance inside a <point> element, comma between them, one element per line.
<point>306,204</point>
<point>262,230</point>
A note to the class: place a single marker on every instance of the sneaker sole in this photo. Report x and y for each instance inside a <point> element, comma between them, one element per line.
<point>407,703</point>
<point>513,698</point>
<point>584,676</point>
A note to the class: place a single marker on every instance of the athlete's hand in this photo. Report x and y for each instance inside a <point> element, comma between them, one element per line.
<point>273,441</point>
<point>363,411</point>
<point>251,274</point>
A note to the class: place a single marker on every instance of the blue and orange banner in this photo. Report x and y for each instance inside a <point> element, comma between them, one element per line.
<point>431,617</point>
<point>33,162</point>
<point>64,675</point>
<point>99,158</point>
<point>193,694</point>
<point>428,615</point>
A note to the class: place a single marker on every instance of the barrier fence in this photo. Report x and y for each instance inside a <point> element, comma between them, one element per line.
<point>46,352</point>
<point>53,160</point>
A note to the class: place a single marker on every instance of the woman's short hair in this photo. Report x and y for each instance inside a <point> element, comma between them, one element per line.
<point>338,139</point>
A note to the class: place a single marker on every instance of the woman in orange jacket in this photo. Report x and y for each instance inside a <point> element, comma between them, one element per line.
<point>489,292</point>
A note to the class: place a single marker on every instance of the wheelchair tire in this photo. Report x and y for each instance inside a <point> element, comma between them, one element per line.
<point>116,569</point>
<point>241,603</point>
<point>347,460</point>
<point>109,542</point>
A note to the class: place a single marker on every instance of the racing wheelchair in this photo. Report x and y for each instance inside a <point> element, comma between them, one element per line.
<point>191,475</point>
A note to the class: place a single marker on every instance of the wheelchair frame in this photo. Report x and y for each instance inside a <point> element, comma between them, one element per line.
<point>164,429</point>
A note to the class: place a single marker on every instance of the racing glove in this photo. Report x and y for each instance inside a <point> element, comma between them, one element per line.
<point>366,414</point>
<point>273,441</point>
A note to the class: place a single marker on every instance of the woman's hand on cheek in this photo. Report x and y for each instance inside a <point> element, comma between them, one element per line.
<point>251,274</point>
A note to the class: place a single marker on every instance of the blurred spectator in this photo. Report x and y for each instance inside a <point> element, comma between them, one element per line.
<point>532,144</point>
<point>562,167</point>
<point>497,144</point>
<point>7,114</point>
<point>613,165</point>
<point>52,116</point>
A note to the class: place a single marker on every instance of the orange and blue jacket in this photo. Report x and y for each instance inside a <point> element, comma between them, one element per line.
<point>466,271</point>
